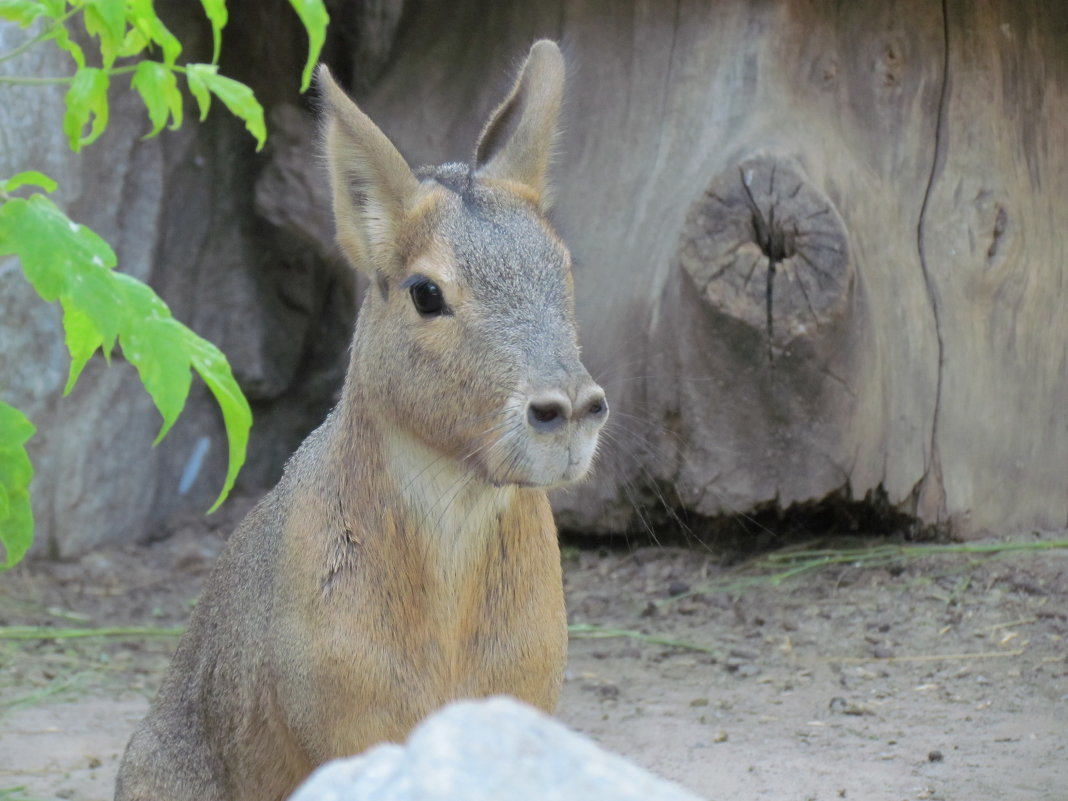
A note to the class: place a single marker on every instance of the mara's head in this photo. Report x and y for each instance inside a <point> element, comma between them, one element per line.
<point>466,340</point>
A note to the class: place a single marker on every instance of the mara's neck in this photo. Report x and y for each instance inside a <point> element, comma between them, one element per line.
<point>449,508</point>
<point>433,501</point>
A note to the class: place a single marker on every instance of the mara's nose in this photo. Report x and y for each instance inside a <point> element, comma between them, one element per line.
<point>551,410</point>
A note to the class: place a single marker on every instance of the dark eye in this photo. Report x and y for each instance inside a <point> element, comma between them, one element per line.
<point>427,297</point>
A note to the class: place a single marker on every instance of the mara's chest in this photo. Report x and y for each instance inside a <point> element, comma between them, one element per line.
<point>420,617</point>
<point>484,622</point>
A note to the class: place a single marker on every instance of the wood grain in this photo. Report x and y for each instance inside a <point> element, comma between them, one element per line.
<point>919,357</point>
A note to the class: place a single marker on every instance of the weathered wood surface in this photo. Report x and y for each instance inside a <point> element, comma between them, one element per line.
<point>995,242</point>
<point>821,246</point>
<point>920,354</point>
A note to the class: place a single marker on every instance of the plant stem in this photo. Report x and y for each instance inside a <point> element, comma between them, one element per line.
<point>18,79</point>
<point>47,33</point>
<point>21,80</point>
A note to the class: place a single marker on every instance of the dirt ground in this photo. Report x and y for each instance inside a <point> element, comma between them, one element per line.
<point>892,678</point>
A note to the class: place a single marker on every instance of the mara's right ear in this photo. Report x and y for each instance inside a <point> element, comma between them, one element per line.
<point>516,145</point>
<point>372,184</point>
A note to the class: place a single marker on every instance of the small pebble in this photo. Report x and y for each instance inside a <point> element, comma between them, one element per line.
<point>934,756</point>
<point>679,668</point>
<point>840,706</point>
<point>608,692</point>
<point>678,587</point>
<point>746,670</point>
<point>742,653</point>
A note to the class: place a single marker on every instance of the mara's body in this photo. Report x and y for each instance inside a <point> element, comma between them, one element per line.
<point>319,636</point>
<point>408,557</point>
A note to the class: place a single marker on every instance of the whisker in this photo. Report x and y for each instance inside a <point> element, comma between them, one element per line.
<point>442,457</point>
<point>654,485</point>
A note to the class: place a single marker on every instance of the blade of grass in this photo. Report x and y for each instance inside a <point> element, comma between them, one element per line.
<point>47,633</point>
<point>37,696</point>
<point>899,551</point>
<point>17,794</point>
<point>856,660</point>
<point>775,568</point>
<point>588,631</point>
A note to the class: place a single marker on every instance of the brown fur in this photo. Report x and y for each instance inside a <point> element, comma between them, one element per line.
<point>408,556</point>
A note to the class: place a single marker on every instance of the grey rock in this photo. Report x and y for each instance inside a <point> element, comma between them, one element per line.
<point>488,750</point>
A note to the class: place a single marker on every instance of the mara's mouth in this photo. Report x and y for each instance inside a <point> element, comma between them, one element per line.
<point>529,476</point>
<point>530,456</point>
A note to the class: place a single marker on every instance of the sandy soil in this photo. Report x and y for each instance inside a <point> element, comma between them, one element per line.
<point>943,677</point>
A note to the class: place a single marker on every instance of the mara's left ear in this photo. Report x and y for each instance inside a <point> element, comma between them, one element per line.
<point>373,186</point>
<point>516,145</point>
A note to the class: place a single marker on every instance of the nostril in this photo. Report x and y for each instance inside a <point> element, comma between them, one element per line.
<point>547,414</point>
<point>596,406</point>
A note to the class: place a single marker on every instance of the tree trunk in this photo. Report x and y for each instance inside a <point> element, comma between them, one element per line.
<point>820,246</point>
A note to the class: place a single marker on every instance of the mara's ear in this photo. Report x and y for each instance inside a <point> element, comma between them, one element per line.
<point>517,143</point>
<point>372,184</point>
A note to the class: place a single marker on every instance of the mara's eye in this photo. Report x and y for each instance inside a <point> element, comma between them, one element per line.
<point>427,298</point>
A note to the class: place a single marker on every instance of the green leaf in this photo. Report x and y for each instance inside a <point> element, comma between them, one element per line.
<point>16,472</point>
<point>242,103</point>
<point>313,15</point>
<point>106,19</point>
<point>52,247</point>
<point>198,87</point>
<point>154,343</point>
<point>92,290</point>
<point>24,12</point>
<point>64,42</point>
<point>158,87</point>
<point>133,43</point>
<point>69,262</point>
<point>218,17</point>
<point>142,15</point>
<point>211,365</point>
<point>82,341</point>
<point>29,178</point>
<point>139,299</point>
<point>155,346</point>
<point>237,97</point>
<point>87,104</point>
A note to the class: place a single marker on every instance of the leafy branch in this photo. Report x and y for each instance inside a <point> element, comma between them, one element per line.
<point>66,262</point>
<point>129,29</point>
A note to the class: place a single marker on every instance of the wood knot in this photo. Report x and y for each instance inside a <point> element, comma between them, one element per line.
<point>764,246</point>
